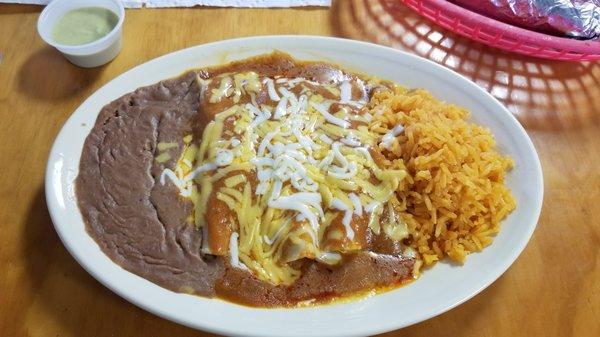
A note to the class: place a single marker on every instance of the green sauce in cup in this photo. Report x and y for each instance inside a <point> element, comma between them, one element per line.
<point>84,25</point>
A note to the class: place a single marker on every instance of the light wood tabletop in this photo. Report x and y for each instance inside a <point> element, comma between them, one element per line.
<point>553,289</point>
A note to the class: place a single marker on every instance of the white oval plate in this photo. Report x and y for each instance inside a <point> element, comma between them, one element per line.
<point>438,290</point>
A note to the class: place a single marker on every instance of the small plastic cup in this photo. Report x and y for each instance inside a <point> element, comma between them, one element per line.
<point>91,54</point>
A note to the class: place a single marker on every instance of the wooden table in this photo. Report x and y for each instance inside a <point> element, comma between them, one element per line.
<point>552,289</point>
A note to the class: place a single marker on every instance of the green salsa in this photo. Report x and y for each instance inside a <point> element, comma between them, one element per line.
<point>84,25</point>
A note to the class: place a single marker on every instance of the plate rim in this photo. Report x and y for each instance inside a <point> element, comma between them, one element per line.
<point>228,330</point>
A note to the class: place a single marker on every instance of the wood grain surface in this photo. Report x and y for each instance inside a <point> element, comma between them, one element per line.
<point>553,289</point>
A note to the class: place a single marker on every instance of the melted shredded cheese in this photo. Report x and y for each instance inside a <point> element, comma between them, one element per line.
<point>309,166</point>
<point>388,138</point>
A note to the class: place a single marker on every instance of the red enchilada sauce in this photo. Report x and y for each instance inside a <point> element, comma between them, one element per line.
<point>143,223</point>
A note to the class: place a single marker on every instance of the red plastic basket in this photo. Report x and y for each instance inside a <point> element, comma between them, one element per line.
<point>502,35</point>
